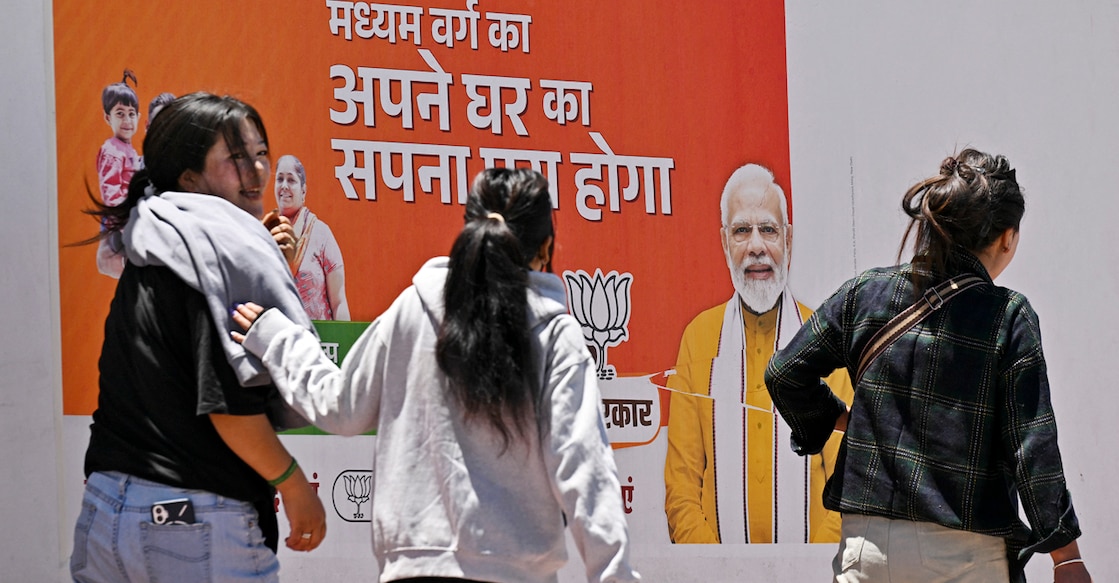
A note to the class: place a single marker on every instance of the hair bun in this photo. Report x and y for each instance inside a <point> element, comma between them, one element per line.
<point>949,165</point>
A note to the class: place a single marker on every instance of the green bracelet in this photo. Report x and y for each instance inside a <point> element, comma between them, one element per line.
<point>287,474</point>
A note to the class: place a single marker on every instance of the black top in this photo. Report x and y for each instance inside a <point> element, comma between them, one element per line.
<point>163,371</point>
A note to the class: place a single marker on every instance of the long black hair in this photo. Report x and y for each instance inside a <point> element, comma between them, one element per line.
<point>972,201</point>
<point>484,345</point>
<point>178,140</point>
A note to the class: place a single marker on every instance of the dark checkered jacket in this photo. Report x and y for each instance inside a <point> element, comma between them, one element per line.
<point>948,424</point>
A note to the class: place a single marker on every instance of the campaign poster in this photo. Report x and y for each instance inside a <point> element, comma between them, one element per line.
<point>637,114</point>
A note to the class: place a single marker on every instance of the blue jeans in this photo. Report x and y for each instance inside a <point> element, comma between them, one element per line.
<point>116,540</point>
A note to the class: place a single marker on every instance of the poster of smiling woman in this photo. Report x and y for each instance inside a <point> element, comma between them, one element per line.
<point>663,135</point>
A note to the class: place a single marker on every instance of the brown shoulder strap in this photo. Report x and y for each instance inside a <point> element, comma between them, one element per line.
<point>933,299</point>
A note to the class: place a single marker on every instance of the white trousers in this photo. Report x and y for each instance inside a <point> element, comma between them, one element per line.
<point>873,549</point>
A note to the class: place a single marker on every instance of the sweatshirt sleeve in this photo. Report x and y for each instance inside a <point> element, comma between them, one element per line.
<point>578,455</point>
<point>345,399</point>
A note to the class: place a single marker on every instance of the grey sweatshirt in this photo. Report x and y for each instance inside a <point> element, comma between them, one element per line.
<point>446,502</point>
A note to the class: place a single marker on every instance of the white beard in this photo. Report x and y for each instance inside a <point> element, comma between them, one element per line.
<point>759,295</point>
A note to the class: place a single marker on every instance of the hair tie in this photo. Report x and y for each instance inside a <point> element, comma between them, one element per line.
<point>497,216</point>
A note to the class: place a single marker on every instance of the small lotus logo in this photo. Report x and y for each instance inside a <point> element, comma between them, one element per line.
<point>601,305</point>
<point>356,485</point>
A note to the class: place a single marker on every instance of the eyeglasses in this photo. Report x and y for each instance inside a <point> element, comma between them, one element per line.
<point>740,232</point>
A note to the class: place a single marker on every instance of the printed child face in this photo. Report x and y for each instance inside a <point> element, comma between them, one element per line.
<point>123,119</point>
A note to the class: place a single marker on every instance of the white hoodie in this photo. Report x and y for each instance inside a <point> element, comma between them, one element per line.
<point>446,502</point>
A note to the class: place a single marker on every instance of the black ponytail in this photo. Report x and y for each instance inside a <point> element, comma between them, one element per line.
<point>972,201</point>
<point>484,344</point>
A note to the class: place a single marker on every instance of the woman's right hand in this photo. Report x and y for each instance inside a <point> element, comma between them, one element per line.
<point>244,315</point>
<point>282,233</point>
<point>841,422</point>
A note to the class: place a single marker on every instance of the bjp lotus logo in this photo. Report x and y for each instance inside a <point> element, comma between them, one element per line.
<point>352,487</point>
<point>601,305</point>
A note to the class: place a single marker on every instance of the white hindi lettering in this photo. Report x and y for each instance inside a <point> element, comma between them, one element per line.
<point>401,93</point>
<point>388,21</point>
<point>349,169</point>
<point>427,101</point>
<point>504,33</point>
<point>560,103</point>
<point>446,32</point>
<point>541,161</point>
<point>442,172</point>
<point>330,349</point>
<point>407,153</point>
<point>613,162</point>
<point>493,102</point>
<point>340,17</point>
<point>351,96</point>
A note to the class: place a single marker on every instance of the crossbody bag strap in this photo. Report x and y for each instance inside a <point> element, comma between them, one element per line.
<point>932,301</point>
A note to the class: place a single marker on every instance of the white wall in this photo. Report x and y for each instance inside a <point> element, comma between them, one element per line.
<point>879,92</point>
<point>30,386</point>
<point>890,88</point>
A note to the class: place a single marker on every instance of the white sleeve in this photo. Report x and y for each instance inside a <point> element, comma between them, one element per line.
<point>585,476</point>
<point>343,400</point>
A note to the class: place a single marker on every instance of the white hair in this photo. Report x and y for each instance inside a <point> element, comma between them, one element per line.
<point>752,175</point>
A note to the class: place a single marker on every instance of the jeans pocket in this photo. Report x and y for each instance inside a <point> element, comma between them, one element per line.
<point>176,553</point>
<point>81,537</point>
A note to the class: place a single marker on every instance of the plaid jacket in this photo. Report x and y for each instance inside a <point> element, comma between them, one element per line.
<point>948,424</point>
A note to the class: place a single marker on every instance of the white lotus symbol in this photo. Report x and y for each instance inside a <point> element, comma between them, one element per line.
<point>601,305</point>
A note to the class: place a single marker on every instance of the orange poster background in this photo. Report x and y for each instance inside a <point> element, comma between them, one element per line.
<point>701,82</point>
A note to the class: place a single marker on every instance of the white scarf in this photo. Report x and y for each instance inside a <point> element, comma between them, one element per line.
<point>790,472</point>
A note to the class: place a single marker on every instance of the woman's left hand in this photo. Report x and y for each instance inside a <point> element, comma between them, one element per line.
<point>305,513</point>
<point>1076,573</point>
<point>244,315</point>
